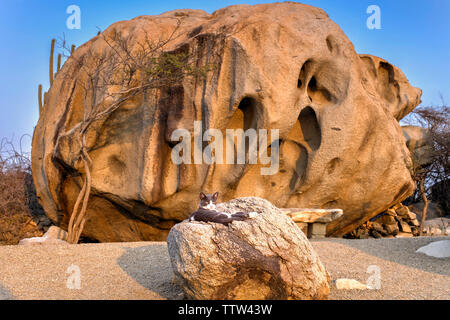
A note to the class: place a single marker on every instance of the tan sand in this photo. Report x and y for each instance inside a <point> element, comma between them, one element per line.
<point>142,270</point>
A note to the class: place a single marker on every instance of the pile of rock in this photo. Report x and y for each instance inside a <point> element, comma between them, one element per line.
<point>398,222</point>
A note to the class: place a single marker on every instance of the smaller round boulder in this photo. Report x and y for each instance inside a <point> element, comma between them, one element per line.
<point>265,257</point>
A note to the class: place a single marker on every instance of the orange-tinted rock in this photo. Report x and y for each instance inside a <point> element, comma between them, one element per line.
<point>283,66</point>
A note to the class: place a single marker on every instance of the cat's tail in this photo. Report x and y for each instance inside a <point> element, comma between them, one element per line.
<point>245,214</point>
<point>252,214</point>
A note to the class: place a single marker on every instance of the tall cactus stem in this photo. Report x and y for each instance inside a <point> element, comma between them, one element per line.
<point>52,51</point>
<point>59,63</point>
<point>41,108</point>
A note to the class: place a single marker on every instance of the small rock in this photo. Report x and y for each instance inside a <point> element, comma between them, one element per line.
<point>55,232</point>
<point>376,234</point>
<point>40,241</point>
<point>411,215</point>
<point>364,235</point>
<point>403,212</point>
<point>404,235</point>
<point>437,249</point>
<point>32,223</point>
<point>392,229</point>
<point>387,219</point>
<point>405,227</point>
<point>350,284</point>
<point>391,212</point>
<point>379,228</point>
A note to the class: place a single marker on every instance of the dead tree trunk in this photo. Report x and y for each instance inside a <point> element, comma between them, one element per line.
<point>425,205</point>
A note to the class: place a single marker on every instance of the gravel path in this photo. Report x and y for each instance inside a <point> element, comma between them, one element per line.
<point>142,270</point>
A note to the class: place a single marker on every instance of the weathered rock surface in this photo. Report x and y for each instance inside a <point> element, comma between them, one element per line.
<point>283,66</point>
<point>433,210</point>
<point>419,144</point>
<point>437,249</point>
<point>266,257</point>
<point>54,235</point>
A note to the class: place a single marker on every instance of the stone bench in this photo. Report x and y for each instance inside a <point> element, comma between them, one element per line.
<point>313,222</point>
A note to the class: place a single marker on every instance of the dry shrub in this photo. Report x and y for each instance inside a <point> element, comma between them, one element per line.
<point>18,202</point>
<point>436,174</point>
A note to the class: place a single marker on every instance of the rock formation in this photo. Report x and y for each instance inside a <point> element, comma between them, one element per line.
<point>419,144</point>
<point>266,257</point>
<point>397,221</point>
<point>283,66</point>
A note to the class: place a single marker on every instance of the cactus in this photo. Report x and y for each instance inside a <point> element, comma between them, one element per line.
<point>58,67</point>
<point>41,107</point>
<point>59,63</point>
<point>52,51</point>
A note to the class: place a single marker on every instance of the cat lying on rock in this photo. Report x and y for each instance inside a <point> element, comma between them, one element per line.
<point>207,211</point>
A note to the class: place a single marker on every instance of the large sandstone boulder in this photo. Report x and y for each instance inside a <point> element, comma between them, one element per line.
<point>283,66</point>
<point>267,257</point>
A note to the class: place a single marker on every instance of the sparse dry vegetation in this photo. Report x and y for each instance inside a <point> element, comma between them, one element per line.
<point>433,179</point>
<point>18,203</point>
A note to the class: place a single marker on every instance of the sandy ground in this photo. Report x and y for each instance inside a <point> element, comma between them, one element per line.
<point>142,270</point>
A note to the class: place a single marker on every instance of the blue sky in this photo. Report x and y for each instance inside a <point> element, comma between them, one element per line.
<point>415,36</point>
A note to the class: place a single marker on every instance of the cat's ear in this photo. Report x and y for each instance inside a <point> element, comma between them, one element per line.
<point>202,196</point>
<point>215,196</point>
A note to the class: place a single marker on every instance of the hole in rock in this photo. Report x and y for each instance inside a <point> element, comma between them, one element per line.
<point>302,74</point>
<point>386,82</point>
<point>333,164</point>
<point>310,128</point>
<point>317,93</point>
<point>245,117</point>
<point>332,44</point>
<point>300,168</point>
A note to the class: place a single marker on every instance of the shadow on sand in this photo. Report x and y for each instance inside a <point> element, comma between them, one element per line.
<point>150,267</point>
<point>5,294</point>
<point>401,251</point>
